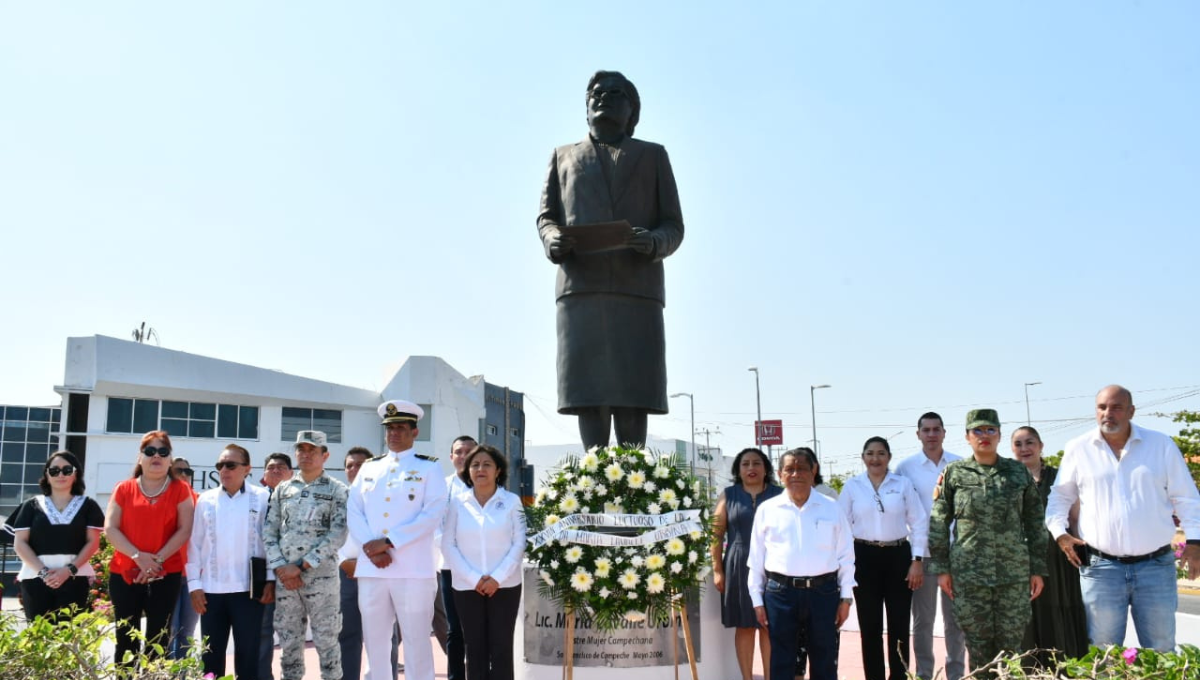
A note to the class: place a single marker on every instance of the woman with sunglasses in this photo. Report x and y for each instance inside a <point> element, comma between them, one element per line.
<point>149,523</point>
<point>890,527</point>
<point>227,536</point>
<point>992,565</point>
<point>1059,620</point>
<point>55,535</point>
<point>184,618</point>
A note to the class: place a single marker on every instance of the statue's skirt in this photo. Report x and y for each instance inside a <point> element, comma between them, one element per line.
<point>611,352</point>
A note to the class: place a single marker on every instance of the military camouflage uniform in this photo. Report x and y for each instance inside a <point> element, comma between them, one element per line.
<point>999,541</point>
<point>307,522</point>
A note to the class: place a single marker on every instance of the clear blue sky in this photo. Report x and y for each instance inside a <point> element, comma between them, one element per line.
<point>925,205</point>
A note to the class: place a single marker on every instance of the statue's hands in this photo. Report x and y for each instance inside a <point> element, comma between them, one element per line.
<point>642,241</point>
<point>560,246</point>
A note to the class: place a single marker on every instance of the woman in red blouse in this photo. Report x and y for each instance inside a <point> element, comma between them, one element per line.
<point>149,523</point>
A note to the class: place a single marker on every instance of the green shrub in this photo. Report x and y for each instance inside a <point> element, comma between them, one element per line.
<point>1109,663</point>
<point>74,649</point>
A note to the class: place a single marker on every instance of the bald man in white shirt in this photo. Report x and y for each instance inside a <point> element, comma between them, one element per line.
<point>1130,482</point>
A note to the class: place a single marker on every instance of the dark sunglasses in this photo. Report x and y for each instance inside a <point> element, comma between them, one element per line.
<point>65,471</point>
<point>228,465</point>
<point>161,451</point>
<point>187,472</point>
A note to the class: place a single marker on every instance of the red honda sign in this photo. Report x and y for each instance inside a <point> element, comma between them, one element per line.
<point>768,432</point>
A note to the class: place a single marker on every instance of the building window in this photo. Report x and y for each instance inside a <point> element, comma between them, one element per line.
<point>492,430</point>
<point>28,435</point>
<point>325,420</point>
<point>182,419</point>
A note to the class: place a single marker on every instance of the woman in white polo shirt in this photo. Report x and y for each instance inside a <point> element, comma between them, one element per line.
<point>890,530</point>
<point>483,543</point>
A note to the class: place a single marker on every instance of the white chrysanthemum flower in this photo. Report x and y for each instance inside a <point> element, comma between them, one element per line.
<point>632,595</point>
<point>569,504</point>
<point>585,510</point>
<point>552,519</point>
<point>676,567</point>
<point>679,484</point>
<point>675,504</point>
<point>541,496</point>
<point>546,577</point>
<point>620,560</point>
<point>604,593</point>
<point>650,487</point>
<point>636,479</point>
<point>687,501</point>
<point>696,486</point>
<point>646,453</point>
<point>662,472</point>
<point>637,560</point>
<point>603,565</point>
<point>655,583</point>
<point>654,509</point>
<point>655,561</point>
<point>552,494</point>
<point>554,564</point>
<point>629,579</point>
<point>695,534</point>
<point>573,554</point>
<point>586,482</point>
<point>675,547</point>
<point>568,475</point>
<point>666,495</point>
<point>564,542</point>
<point>601,489</point>
<point>614,473</point>
<point>631,551</point>
<point>590,462</point>
<point>581,581</point>
<point>614,508</point>
<point>692,556</point>
<point>587,495</point>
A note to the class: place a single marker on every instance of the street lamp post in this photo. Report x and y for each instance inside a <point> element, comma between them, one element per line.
<point>812,391</point>
<point>1028,421</point>
<point>692,400</point>
<point>758,405</point>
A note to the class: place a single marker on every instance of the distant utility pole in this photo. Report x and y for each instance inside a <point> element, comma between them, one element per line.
<point>708,457</point>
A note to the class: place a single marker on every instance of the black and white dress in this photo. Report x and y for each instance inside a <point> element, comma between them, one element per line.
<point>56,538</point>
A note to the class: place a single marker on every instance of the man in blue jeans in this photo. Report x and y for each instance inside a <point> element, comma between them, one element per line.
<point>1129,482</point>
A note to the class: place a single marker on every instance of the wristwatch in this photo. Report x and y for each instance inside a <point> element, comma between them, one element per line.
<point>73,569</point>
<point>918,558</point>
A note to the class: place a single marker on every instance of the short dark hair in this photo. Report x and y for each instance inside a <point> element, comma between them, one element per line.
<point>877,440</point>
<point>635,100</point>
<point>77,487</point>
<point>359,451</point>
<point>239,449</point>
<point>809,455</point>
<point>737,464</point>
<point>930,415</point>
<point>462,438</point>
<point>281,457</point>
<point>497,458</point>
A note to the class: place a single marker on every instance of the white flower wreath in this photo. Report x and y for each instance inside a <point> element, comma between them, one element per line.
<point>659,551</point>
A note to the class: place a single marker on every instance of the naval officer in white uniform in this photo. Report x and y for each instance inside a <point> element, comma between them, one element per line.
<point>396,504</point>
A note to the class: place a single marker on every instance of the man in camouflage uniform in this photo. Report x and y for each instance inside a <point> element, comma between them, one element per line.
<point>306,524</point>
<point>995,563</point>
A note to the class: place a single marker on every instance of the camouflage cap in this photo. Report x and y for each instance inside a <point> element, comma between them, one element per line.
<point>314,437</point>
<point>981,417</point>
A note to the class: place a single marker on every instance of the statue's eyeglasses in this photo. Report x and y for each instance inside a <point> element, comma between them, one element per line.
<point>615,93</point>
